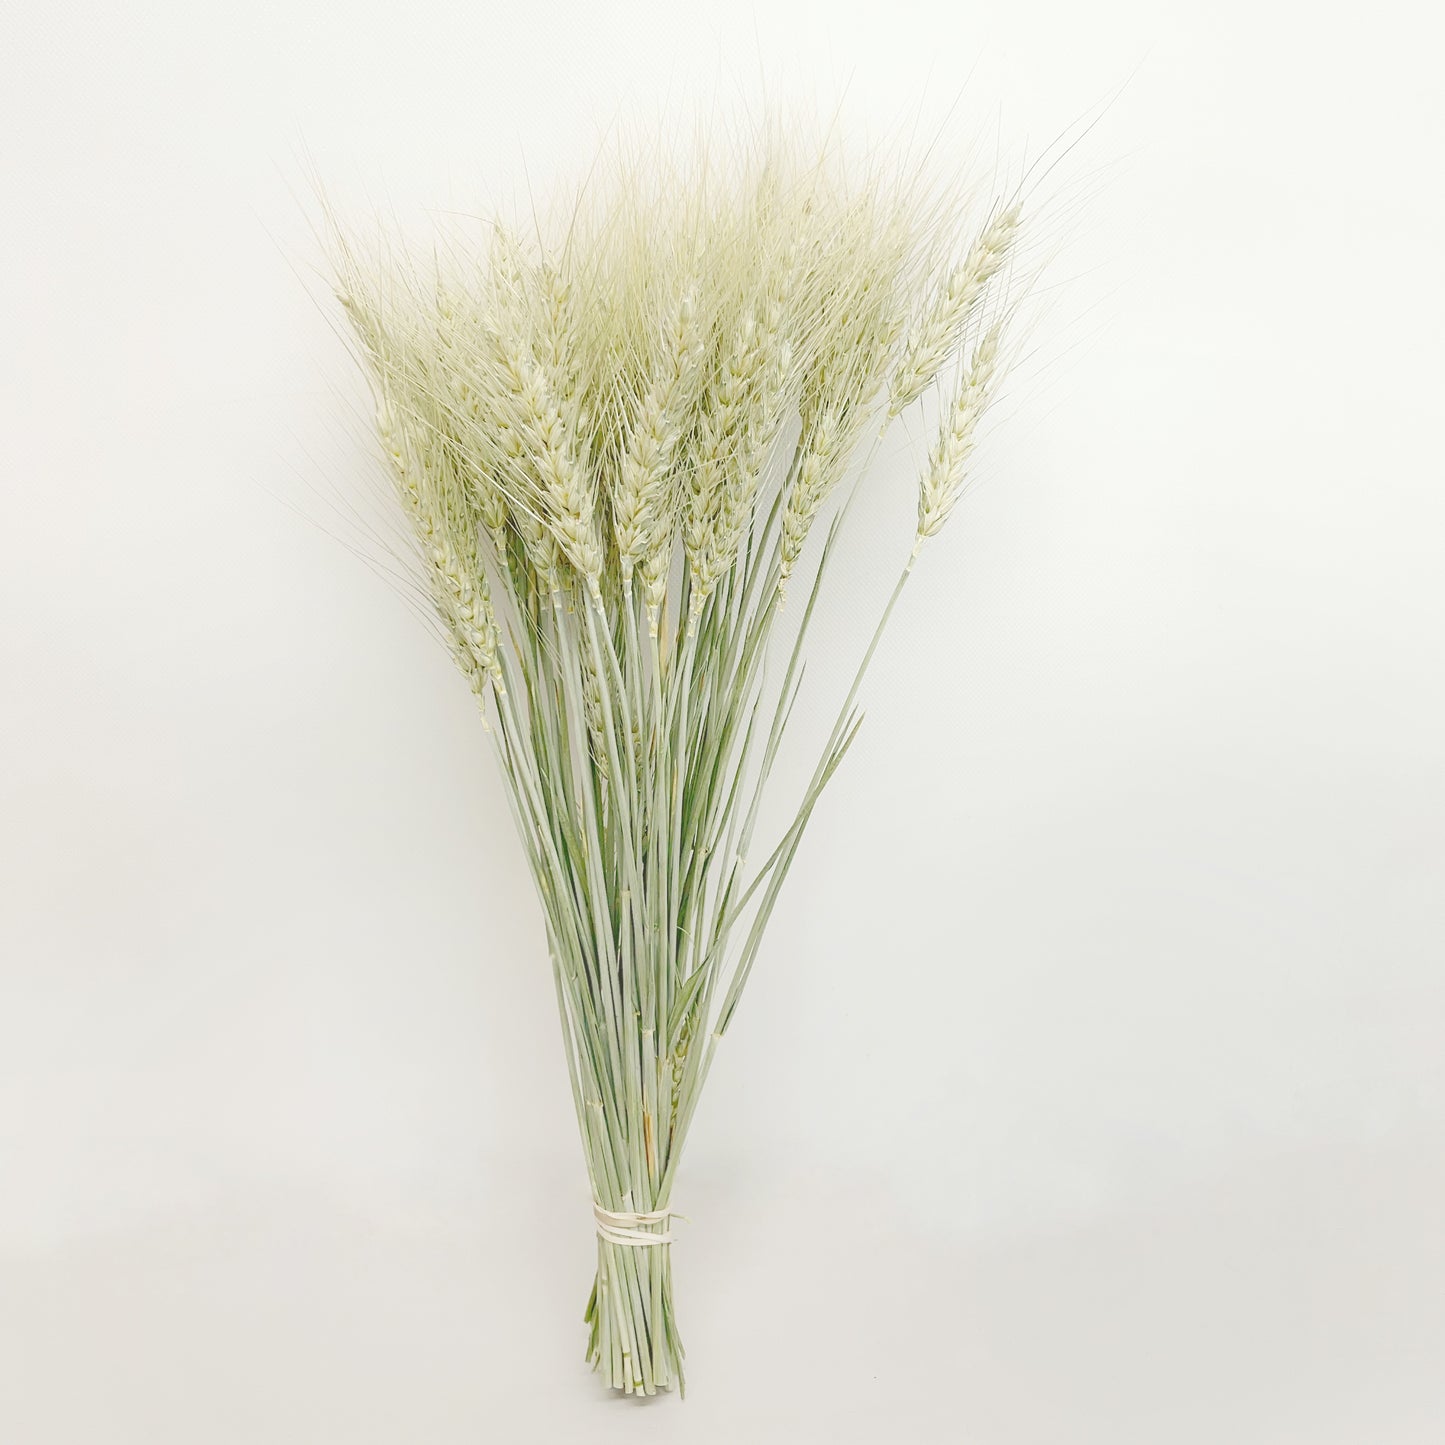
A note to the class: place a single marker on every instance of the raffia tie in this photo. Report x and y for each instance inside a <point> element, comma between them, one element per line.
<point>628,1226</point>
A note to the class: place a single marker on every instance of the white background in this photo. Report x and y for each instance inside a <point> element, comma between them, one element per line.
<point>1090,1090</point>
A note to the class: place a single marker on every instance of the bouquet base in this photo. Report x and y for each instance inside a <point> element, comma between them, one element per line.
<point>632,1339</point>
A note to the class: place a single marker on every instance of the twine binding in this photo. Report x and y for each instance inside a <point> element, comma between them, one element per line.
<point>628,1226</point>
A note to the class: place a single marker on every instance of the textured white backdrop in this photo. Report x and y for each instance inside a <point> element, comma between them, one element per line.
<point>1090,1090</point>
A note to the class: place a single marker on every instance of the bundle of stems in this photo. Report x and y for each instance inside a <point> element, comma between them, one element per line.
<point>614,441</point>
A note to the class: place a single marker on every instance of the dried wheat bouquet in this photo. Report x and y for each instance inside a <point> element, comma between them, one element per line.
<point>623,443</point>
